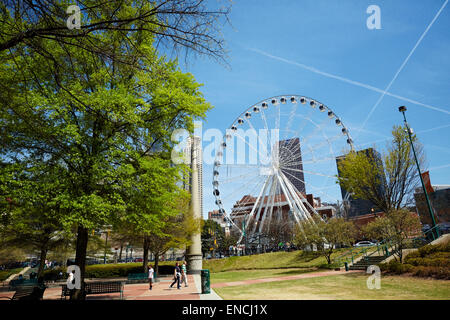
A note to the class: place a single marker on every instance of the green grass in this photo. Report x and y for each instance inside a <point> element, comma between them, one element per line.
<point>229,276</point>
<point>349,286</point>
<point>4,274</point>
<point>272,260</point>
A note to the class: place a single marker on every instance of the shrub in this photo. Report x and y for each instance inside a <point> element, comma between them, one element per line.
<point>429,249</point>
<point>396,267</point>
<point>434,272</point>
<point>427,262</point>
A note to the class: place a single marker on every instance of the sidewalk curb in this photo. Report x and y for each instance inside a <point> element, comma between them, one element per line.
<point>208,296</point>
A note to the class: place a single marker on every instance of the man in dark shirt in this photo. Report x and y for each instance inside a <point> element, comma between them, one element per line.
<point>177,275</point>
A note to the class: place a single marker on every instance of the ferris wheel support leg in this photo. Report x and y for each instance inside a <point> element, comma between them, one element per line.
<point>261,203</point>
<point>301,213</point>
<point>252,212</point>
<point>267,209</point>
<point>288,197</point>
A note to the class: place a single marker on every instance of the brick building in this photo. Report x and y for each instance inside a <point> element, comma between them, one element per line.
<point>243,207</point>
<point>440,202</point>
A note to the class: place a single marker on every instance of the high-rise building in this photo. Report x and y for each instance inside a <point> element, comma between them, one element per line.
<point>290,155</point>
<point>196,142</point>
<point>358,207</point>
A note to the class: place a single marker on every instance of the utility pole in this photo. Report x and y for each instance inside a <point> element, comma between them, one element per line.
<point>402,109</point>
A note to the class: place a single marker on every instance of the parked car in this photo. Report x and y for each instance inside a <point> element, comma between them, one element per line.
<point>365,244</point>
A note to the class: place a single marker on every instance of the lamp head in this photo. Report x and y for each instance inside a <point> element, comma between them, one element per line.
<point>402,109</point>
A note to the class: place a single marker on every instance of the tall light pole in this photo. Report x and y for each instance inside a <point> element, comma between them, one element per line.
<point>402,109</point>
<point>194,251</point>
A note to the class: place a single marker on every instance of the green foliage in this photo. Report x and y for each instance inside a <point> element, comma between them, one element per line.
<point>212,236</point>
<point>396,267</point>
<point>96,128</point>
<point>388,184</point>
<point>396,226</point>
<point>4,274</point>
<point>324,235</point>
<point>10,254</point>
<point>271,260</point>
<point>428,261</point>
<point>432,271</point>
<point>120,270</point>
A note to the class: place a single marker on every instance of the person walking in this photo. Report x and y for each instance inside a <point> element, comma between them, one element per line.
<point>176,276</point>
<point>151,273</point>
<point>184,274</point>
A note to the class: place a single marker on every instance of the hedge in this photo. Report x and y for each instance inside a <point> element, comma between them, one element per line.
<point>429,261</point>
<point>396,267</point>
<point>434,272</point>
<point>120,270</point>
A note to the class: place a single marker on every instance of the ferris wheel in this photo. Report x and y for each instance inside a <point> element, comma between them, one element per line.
<point>276,160</point>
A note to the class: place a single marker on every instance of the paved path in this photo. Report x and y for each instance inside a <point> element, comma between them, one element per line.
<point>294,277</point>
<point>140,291</point>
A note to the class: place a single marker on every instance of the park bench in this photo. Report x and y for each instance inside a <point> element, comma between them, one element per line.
<point>97,288</point>
<point>28,292</point>
<point>137,277</point>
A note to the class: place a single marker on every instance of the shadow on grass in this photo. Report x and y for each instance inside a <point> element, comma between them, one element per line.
<point>298,271</point>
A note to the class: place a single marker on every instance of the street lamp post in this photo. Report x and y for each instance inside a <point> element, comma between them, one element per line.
<point>402,109</point>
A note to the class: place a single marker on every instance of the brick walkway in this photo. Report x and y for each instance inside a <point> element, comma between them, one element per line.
<point>295,277</point>
<point>139,291</point>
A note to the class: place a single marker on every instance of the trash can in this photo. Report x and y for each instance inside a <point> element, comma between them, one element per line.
<point>346,266</point>
<point>206,285</point>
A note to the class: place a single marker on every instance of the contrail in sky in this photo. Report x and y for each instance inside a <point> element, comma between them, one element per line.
<point>403,65</point>
<point>421,131</point>
<point>356,83</point>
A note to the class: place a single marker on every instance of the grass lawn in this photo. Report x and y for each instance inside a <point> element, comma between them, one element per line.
<point>240,275</point>
<point>348,287</point>
<point>4,274</point>
<point>271,260</point>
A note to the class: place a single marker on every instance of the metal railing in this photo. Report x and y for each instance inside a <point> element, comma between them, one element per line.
<point>427,237</point>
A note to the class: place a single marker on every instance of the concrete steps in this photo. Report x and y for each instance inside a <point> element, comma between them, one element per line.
<point>364,263</point>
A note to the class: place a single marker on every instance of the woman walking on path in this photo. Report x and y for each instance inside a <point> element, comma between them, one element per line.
<point>177,274</point>
<point>184,274</point>
<point>151,273</point>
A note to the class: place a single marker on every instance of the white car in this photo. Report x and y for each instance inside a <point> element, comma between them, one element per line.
<point>365,244</point>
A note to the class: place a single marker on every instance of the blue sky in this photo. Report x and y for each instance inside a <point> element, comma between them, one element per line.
<point>302,47</point>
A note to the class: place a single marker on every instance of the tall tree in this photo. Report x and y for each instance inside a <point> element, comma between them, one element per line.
<point>156,203</point>
<point>34,217</point>
<point>95,118</point>
<point>389,186</point>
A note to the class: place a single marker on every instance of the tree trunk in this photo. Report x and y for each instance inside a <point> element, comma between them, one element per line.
<point>145,257</point>
<point>80,260</point>
<point>156,263</point>
<point>42,258</point>
<point>120,252</point>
